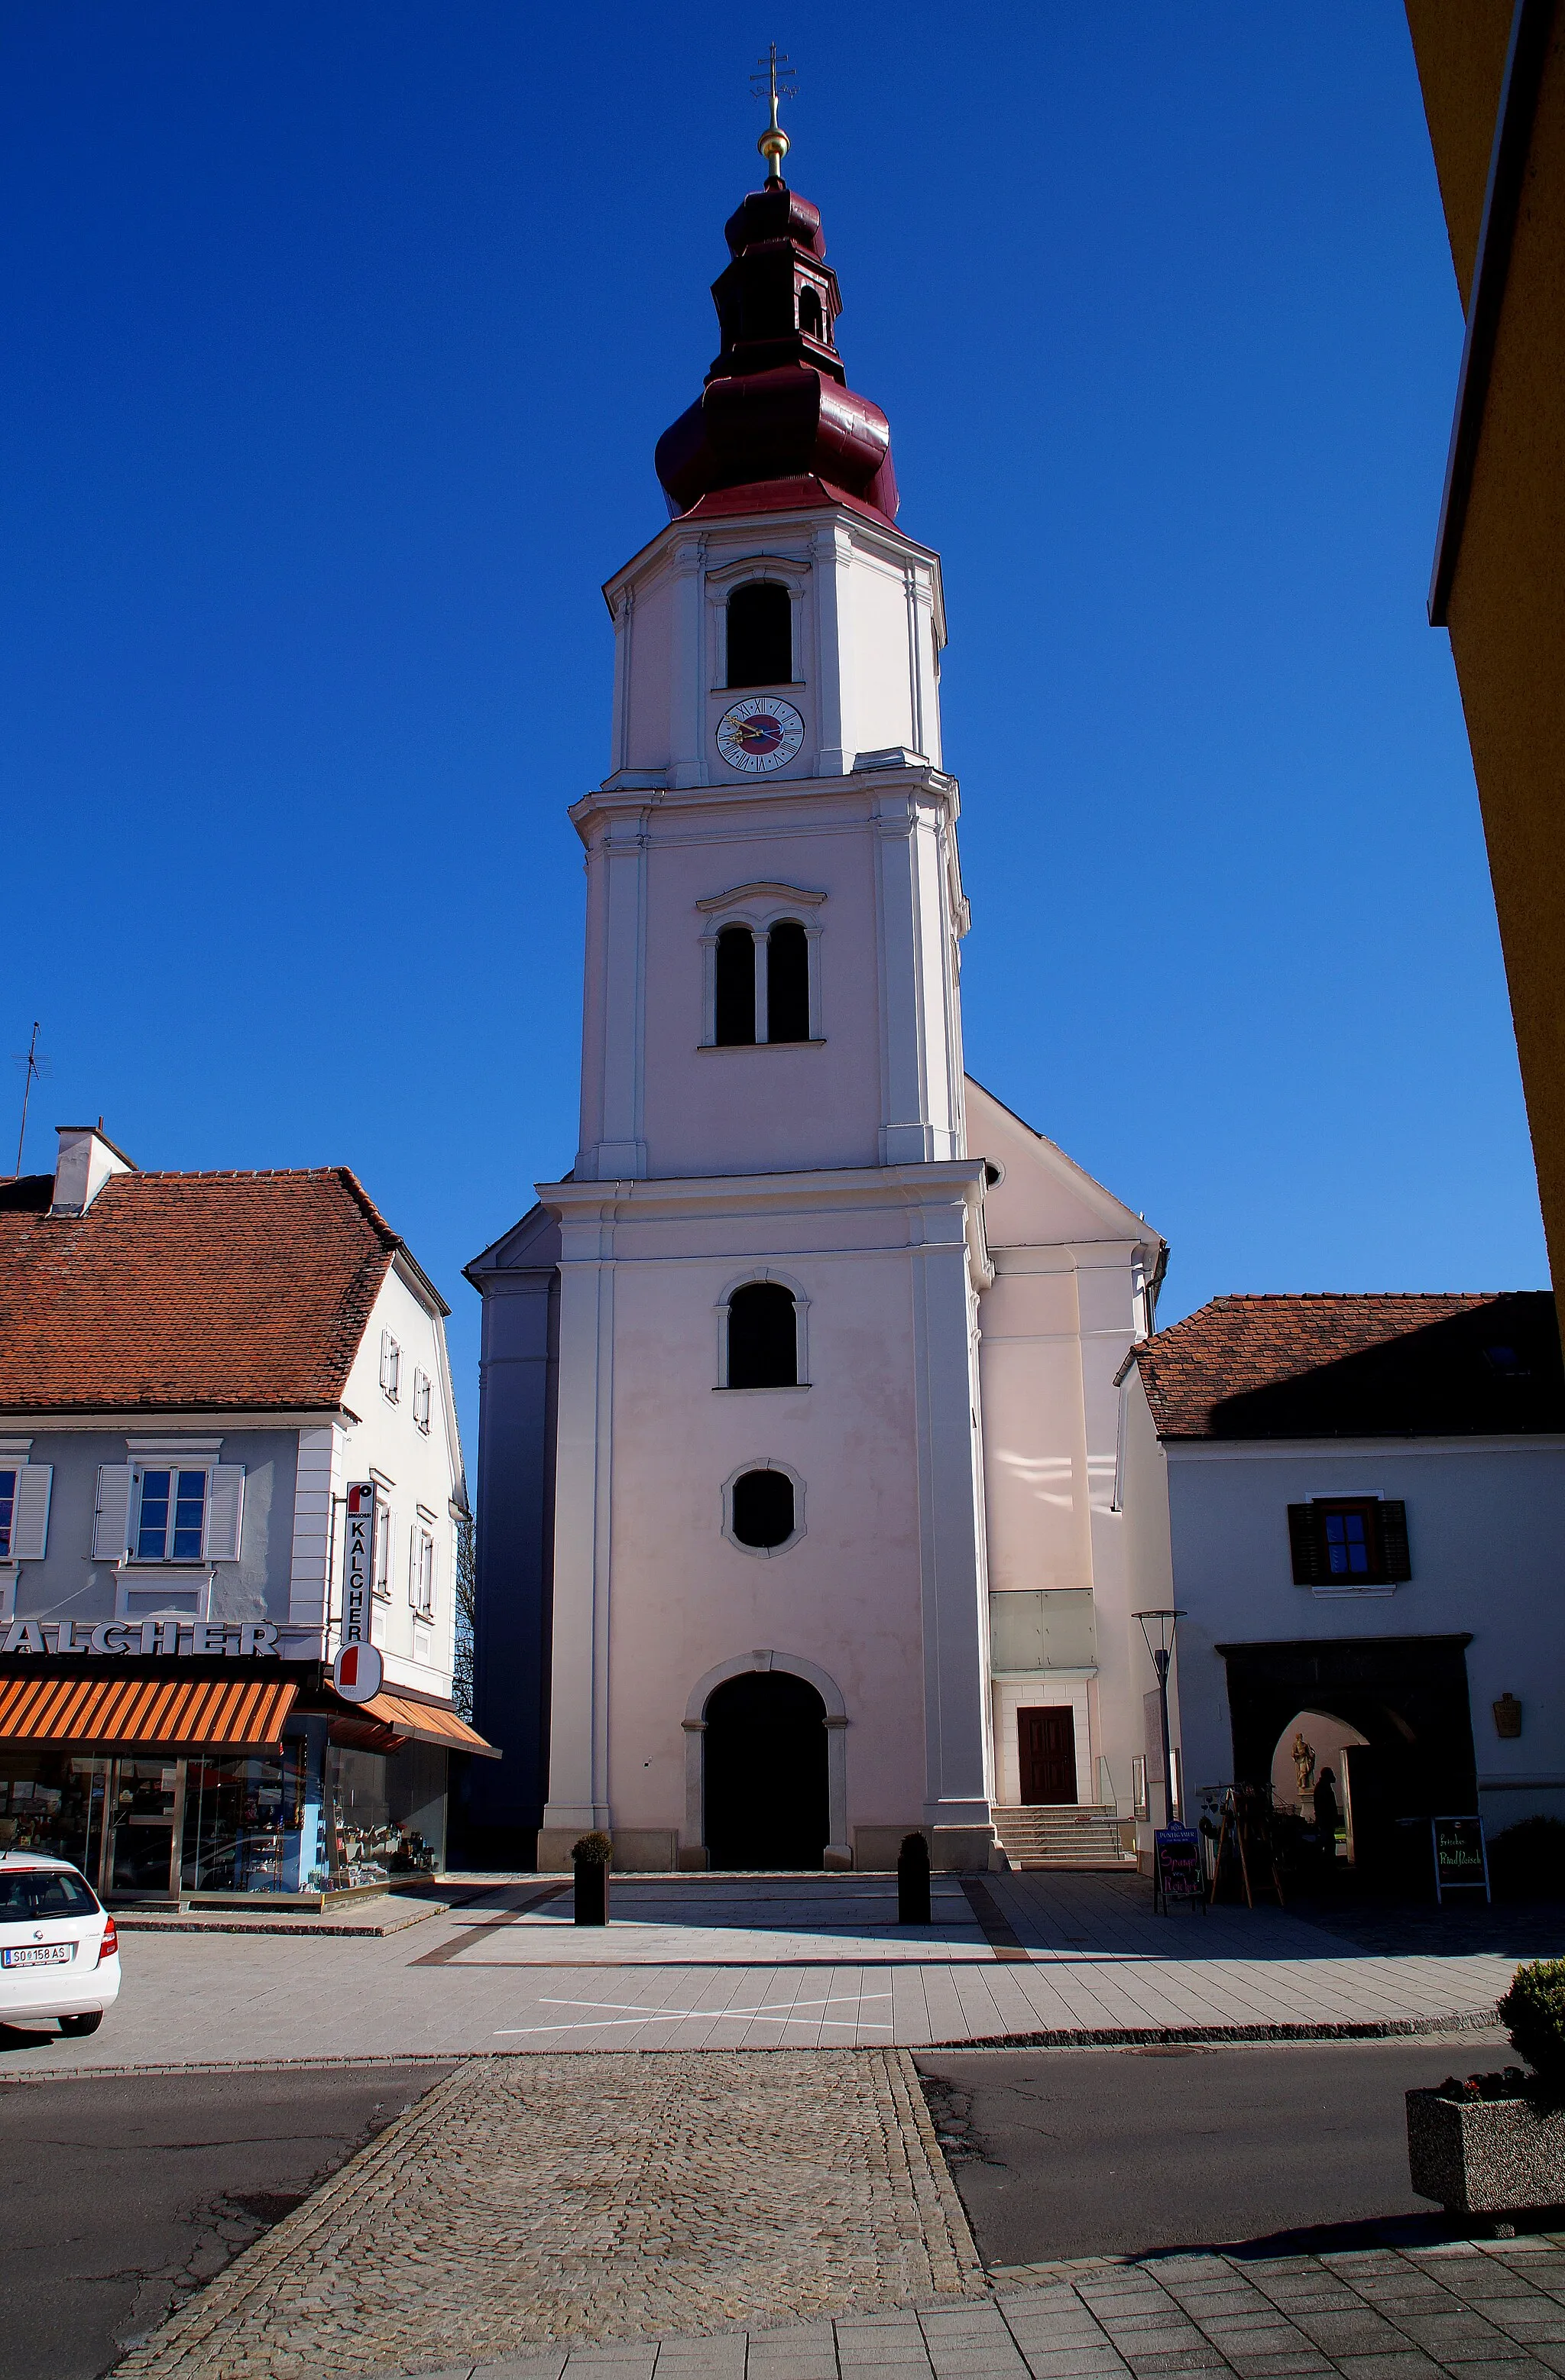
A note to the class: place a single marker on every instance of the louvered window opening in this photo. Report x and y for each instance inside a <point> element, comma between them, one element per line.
<point>1349,1541</point>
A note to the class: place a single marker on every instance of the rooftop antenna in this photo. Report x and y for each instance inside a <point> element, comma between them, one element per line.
<point>774,142</point>
<point>37,1069</point>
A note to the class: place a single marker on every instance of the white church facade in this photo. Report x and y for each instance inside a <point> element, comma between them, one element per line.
<point>799,1436</point>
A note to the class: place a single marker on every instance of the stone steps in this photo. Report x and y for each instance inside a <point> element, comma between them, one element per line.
<point>1061,1835</point>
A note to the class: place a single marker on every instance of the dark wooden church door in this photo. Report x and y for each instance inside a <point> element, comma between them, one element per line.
<point>767,1798</point>
<point>1048,1742</point>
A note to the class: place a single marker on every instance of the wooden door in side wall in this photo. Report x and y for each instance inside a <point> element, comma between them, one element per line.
<point>1046,1740</point>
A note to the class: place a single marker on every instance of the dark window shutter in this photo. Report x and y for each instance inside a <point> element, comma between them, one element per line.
<point>1304,1539</point>
<point>1394,1562</point>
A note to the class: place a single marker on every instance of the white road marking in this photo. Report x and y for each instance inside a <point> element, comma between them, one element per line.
<point>679,2016</point>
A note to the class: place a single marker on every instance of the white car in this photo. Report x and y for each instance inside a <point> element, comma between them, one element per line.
<point>59,1950</point>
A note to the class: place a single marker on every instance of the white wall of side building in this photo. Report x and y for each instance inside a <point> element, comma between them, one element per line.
<point>1074,1274</point>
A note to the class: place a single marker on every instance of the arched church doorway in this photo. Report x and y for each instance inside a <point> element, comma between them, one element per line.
<point>1407,1732</point>
<point>765,1783</point>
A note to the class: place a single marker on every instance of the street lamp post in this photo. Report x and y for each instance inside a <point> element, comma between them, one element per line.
<point>1161,1625</point>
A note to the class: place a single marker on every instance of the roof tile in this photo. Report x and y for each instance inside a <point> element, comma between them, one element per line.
<point>1346,1366</point>
<point>212,1290</point>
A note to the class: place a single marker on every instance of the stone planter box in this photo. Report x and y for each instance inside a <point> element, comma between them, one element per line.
<point>1486,2157</point>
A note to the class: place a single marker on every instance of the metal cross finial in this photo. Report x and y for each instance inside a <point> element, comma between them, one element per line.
<point>774,142</point>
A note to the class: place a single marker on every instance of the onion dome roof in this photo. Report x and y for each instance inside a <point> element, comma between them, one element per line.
<point>776,416</point>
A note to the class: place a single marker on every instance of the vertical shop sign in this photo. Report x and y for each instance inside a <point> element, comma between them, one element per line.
<point>359,1561</point>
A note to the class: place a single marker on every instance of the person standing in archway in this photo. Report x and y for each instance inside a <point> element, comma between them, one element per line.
<point>1326,1814</point>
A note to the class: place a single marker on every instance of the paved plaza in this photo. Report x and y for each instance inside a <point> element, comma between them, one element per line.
<point>780,1963</point>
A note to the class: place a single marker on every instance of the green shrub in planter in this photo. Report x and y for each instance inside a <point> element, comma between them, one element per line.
<point>595,1850</point>
<point>1534,2013</point>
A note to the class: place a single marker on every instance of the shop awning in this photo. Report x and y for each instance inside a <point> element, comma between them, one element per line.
<point>425,1723</point>
<point>164,1713</point>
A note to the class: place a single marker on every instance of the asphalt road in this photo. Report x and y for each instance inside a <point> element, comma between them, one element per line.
<point>1089,2153</point>
<point>119,2194</point>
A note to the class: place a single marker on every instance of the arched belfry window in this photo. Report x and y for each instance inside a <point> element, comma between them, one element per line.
<point>735,1008</point>
<point>809,313</point>
<point>761,634</point>
<point>787,982</point>
<point>763,1336</point>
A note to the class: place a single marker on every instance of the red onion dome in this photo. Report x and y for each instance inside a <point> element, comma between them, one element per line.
<point>776,404</point>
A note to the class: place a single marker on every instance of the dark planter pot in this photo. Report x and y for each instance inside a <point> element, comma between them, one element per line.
<point>591,1892</point>
<point>1486,2157</point>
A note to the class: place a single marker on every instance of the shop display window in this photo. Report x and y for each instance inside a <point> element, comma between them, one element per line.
<point>51,1801</point>
<point>244,1822</point>
<point>368,1832</point>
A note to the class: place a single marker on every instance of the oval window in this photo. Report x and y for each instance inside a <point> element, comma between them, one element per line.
<point>763,1508</point>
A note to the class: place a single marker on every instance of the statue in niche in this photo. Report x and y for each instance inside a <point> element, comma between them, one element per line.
<point>1304,1764</point>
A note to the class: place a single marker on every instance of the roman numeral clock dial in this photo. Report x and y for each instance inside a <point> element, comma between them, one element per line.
<point>759,734</point>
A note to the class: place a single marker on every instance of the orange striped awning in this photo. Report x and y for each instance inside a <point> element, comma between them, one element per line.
<point>425,1723</point>
<point>214,1714</point>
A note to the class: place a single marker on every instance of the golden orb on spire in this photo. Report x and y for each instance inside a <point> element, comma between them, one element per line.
<point>773,143</point>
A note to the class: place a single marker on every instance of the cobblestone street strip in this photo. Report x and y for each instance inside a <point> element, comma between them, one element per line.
<point>600,2196</point>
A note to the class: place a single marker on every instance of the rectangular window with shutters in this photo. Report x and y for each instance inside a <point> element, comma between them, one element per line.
<point>422,1574</point>
<point>390,1367</point>
<point>382,1551</point>
<point>8,1512</point>
<point>168,1523</point>
<point>421,1401</point>
<point>1348,1541</point>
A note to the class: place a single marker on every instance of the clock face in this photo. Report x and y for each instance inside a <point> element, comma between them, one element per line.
<point>760,733</point>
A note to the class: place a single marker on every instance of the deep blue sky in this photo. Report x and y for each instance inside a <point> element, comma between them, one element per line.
<point>337,342</point>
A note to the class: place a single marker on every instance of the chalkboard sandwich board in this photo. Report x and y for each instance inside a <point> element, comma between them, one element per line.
<point>1461,1863</point>
<point>1176,1867</point>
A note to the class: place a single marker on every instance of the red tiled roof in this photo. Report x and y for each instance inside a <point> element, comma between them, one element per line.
<point>1463,1364</point>
<point>188,1290</point>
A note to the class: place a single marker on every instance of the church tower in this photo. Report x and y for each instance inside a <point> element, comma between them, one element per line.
<point>767,1638</point>
<point>741,1546</point>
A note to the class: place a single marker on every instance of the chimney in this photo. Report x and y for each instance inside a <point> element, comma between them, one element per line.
<point>87,1158</point>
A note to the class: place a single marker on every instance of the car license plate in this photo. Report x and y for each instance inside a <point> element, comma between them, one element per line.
<point>45,1954</point>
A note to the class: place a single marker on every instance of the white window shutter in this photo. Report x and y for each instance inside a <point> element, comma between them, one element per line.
<point>413,1566</point>
<point>226,1511</point>
<point>111,1520</point>
<point>30,1526</point>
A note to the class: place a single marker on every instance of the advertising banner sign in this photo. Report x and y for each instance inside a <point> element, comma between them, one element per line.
<point>1176,1867</point>
<point>1461,1859</point>
<point>359,1561</point>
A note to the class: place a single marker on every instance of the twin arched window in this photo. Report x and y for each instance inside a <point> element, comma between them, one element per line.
<point>788,985</point>
<point>761,634</point>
